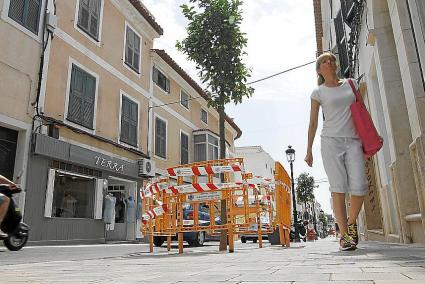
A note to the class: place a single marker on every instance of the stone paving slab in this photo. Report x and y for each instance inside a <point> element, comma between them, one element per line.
<point>312,262</point>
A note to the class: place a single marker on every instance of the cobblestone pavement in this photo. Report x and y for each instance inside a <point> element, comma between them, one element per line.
<point>311,262</point>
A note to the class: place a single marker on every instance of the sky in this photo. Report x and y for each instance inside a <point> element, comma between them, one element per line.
<point>281,35</point>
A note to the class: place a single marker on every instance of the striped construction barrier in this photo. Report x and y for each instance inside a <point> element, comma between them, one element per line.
<point>204,170</point>
<point>152,189</point>
<point>155,212</point>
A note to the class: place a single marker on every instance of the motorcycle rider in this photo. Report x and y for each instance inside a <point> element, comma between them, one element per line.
<point>5,201</point>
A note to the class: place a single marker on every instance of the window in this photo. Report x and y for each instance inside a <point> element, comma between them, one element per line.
<point>129,121</point>
<point>132,49</point>
<point>184,148</point>
<point>184,99</point>
<point>204,115</point>
<point>160,138</point>
<point>89,17</point>
<point>161,80</point>
<point>26,13</point>
<point>73,196</point>
<point>206,147</point>
<point>81,97</point>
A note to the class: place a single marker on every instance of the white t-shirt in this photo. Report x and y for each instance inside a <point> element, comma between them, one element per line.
<point>336,102</point>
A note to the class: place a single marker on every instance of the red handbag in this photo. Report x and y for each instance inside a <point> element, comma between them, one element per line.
<point>363,123</point>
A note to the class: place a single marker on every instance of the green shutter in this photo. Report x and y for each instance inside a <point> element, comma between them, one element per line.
<point>89,17</point>
<point>81,98</point>
<point>155,75</point>
<point>26,13</point>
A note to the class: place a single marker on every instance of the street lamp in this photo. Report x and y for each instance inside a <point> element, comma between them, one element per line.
<point>290,155</point>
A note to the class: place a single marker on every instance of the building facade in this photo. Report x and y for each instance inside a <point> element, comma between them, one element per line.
<point>106,105</point>
<point>381,43</point>
<point>19,76</point>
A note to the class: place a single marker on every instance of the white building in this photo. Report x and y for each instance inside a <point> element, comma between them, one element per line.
<point>256,161</point>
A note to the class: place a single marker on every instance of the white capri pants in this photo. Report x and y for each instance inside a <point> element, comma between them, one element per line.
<point>344,164</point>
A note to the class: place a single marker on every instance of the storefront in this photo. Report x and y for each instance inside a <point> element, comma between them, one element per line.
<point>80,195</point>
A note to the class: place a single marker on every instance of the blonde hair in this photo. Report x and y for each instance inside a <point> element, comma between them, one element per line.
<point>319,60</point>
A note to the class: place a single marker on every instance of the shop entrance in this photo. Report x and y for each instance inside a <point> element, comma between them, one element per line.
<point>8,142</point>
<point>124,192</point>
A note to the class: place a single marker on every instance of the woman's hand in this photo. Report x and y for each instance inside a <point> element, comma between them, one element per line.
<point>309,158</point>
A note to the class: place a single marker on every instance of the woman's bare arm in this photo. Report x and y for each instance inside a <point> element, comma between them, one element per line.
<point>314,114</point>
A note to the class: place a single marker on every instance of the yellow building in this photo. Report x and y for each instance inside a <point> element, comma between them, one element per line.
<point>105,121</point>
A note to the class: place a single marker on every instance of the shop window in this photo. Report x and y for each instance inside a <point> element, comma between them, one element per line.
<point>70,195</point>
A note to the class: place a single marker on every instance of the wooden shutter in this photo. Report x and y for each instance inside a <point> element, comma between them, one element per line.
<point>33,15</point>
<point>129,121</point>
<point>134,115</point>
<point>167,84</point>
<point>155,75</point>
<point>136,52</point>
<point>128,47</point>
<point>184,148</point>
<point>125,124</point>
<point>84,15</point>
<point>88,17</point>
<point>26,13</point>
<point>76,95</point>
<point>48,203</point>
<point>88,99</point>
<point>160,138</point>
<point>16,10</point>
<point>94,9</point>
<point>81,98</point>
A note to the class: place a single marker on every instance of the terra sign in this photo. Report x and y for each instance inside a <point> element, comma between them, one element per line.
<point>108,164</point>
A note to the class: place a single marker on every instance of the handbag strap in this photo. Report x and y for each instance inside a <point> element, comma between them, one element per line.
<point>355,91</point>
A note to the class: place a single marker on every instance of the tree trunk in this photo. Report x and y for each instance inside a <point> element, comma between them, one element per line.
<point>223,213</point>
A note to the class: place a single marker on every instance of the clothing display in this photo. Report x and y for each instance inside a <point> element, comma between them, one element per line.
<point>69,206</point>
<point>109,209</point>
<point>131,210</point>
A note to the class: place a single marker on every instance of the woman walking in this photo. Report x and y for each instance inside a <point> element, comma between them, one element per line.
<point>341,147</point>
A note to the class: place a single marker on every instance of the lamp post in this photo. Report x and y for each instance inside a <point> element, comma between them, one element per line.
<point>290,155</point>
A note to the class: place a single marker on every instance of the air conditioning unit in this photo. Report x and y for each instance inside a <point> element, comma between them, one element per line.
<point>146,168</point>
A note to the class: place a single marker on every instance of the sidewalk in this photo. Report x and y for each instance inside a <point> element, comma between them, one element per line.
<point>311,262</point>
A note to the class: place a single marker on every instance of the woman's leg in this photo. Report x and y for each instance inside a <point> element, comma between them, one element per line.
<point>356,203</point>
<point>338,200</point>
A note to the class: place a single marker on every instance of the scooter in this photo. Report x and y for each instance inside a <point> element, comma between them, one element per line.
<point>12,225</point>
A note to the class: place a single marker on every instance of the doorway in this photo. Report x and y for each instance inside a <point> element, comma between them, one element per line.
<point>124,192</point>
<point>8,144</point>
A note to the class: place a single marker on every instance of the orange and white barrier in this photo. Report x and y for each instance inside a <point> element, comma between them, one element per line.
<point>151,189</point>
<point>155,212</point>
<point>204,170</point>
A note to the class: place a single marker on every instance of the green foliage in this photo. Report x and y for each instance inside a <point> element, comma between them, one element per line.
<point>215,43</point>
<point>323,219</point>
<point>305,187</point>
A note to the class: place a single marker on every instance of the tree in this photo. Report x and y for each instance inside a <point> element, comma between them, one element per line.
<point>216,44</point>
<point>305,187</point>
